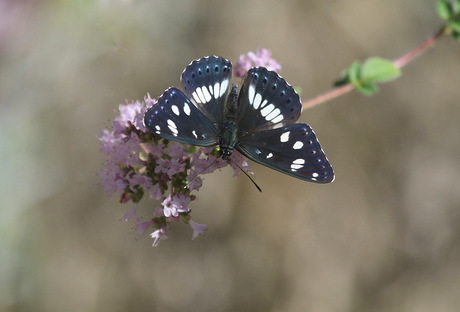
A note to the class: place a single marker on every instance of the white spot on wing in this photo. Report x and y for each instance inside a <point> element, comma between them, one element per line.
<point>251,93</point>
<point>297,164</point>
<point>172,126</point>
<point>216,90</point>
<point>267,110</point>
<point>175,109</point>
<point>171,123</point>
<point>207,96</point>
<point>297,145</point>
<point>195,97</point>
<point>200,95</point>
<point>273,114</point>
<point>257,100</point>
<point>157,127</point>
<point>285,137</point>
<point>269,155</point>
<point>277,119</point>
<point>186,109</point>
<point>194,133</point>
<point>315,174</point>
<point>263,103</point>
<point>223,87</point>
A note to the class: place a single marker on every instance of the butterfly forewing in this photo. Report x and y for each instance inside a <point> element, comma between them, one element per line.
<point>174,117</point>
<point>293,150</point>
<point>206,82</point>
<point>266,101</point>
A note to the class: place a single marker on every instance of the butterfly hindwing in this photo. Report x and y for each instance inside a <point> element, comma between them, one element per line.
<point>206,82</point>
<point>266,101</point>
<point>293,150</point>
<point>174,117</point>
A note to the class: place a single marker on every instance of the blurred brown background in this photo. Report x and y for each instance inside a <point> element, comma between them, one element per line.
<point>385,236</point>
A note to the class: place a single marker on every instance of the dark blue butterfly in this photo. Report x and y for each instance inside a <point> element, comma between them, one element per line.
<point>259,122</point>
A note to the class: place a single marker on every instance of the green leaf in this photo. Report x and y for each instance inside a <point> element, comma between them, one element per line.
<point>456,6</point>
<point>376,69</point>
<point>455,25</point>
<point>444,8</point>
<point>456,36</point>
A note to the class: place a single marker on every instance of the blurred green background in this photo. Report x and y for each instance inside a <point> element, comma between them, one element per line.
<point>385,236</point>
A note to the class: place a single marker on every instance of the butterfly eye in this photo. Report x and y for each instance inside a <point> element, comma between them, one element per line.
<point>274,86</point>
<point>199,72</point>
<point>216,69</point>
<point>282,93</point>
<point>207,69</point>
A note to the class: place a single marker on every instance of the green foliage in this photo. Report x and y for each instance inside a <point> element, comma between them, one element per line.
<point>364,77</point>
<point>449,10</point>
<point>445,9</point>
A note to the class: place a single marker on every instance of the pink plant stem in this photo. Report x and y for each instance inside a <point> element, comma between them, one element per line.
<point>399,63</point>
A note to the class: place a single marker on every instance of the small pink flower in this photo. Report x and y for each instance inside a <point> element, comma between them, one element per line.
<point>156,150</point>
<point>158,235</point>
<point>175,167</point>
<point>163,165</point>
<point>195,184</point>
<point>130,214</point>
<point>262,57</point>
<point>112,178</point>
<point>109,141</point>
<point>198,229</point>
<point>176,150</point>
<point>132,150</point>
<point>155,192</point>
<point>136,179</point>
<point>175,205</point>
<point>128,113</point>
<point>242,163</point>
<point>141,227</point>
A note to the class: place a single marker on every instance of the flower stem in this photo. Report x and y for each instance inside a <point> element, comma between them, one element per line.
<point>409,56</point>
<point>399,63</point>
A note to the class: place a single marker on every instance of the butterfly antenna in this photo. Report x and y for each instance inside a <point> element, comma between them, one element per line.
<point>260,190</point>
<point>206,168</point>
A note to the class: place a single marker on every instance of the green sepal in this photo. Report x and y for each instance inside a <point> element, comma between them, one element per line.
<point>368,88</point>
<point>138,194</point>
<point>191,150</point>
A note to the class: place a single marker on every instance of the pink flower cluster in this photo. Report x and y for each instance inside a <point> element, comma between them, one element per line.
<point>262,57</point>
<point>139,162</point>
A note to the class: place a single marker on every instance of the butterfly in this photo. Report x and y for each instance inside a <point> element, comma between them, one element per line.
<point>258,121</point>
